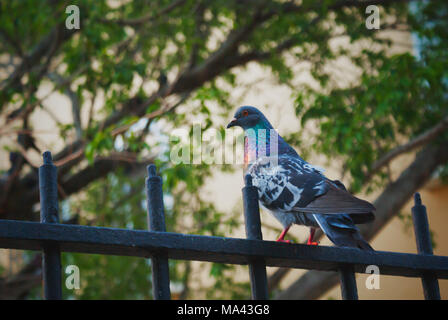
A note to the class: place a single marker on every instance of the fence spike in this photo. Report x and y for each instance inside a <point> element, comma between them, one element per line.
<point>430,283</point>
<point>51,257</point>
<point>48,159</point>
<point>417,199</point>
<point>257,267</point>
<point>248,180</point>
<point>156,222</point>
<point>152,170</point>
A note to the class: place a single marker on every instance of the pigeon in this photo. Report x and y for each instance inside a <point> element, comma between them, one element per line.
<point>296,192</point>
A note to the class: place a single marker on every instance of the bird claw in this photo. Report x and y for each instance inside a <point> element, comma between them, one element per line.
<point>312,243</point>
<point>285,241</point>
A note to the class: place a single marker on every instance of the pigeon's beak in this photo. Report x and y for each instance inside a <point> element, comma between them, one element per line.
<point>232,123</point>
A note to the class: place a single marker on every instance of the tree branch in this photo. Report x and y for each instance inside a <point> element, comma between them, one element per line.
<point>50,43</point>
<point>16,45</point>
<point>147,18</point>
<point>18,286</point>
<point>424,138</point>
<point>76,107</point>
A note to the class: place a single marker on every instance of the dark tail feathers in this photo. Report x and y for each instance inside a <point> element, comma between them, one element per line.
<point>341,230</point>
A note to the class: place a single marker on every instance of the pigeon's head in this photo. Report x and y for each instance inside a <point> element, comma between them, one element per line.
<point>247,117</point>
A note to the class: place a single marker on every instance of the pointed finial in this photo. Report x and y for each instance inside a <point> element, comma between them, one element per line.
<point>151,170</point>
<point>47,157</point>
<point>248,180</point>
<point>417,199</point>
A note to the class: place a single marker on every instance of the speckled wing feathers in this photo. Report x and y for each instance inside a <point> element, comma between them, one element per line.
<point>290,184</point>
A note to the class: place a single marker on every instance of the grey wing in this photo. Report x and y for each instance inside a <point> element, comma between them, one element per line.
<point>289,183</point>
<point>339,201</point>
<point>294,185</point>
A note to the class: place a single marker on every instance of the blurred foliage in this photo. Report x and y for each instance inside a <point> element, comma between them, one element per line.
<point>408,227</point>
<point>398,97</point>
<point>394,97</point>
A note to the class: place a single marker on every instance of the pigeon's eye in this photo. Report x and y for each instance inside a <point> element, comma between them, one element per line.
<point>245,113</point>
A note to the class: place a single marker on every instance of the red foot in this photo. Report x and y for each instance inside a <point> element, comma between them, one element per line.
<point>310,241</point>
<point>282,236</point>
<point>283,240</point>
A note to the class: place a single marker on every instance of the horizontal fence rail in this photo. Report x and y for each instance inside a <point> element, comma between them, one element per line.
<point>141,243</point>
<point>158,245</point>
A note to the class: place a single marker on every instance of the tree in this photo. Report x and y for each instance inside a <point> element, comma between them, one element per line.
<point>145,60</point>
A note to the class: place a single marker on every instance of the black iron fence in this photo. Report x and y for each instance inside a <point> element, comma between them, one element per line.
<point>52,238</point>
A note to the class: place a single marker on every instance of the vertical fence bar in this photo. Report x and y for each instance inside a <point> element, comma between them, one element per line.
<point>156,222</point>
<point>51,258</point>
<point>423,238</point>
<point>348,283</point>
<point>257,268</point>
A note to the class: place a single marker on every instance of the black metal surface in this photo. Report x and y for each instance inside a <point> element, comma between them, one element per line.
<point>141,243</point>
<point>156,222</point>
<point>159,245</point>
<point>257,266</point>
<point>430,283</point>
<point>51,257</point>
<point>348,283</point>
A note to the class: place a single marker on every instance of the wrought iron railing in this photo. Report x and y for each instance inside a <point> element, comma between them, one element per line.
<point>52,238</point>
